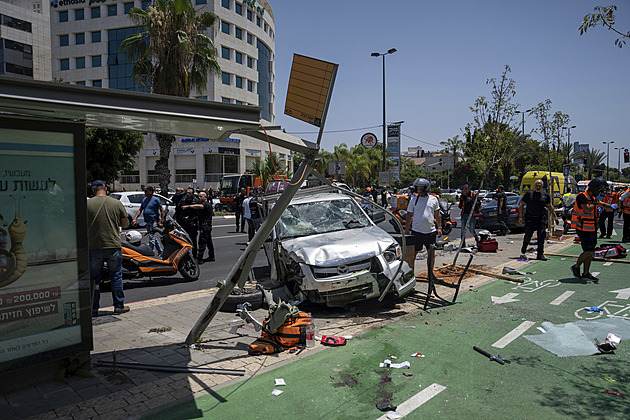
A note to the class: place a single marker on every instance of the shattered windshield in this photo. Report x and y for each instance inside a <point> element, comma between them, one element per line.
<point>320,217</point>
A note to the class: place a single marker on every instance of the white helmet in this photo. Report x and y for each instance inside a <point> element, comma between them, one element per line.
<point>133,237</point>
<point>419,182</point>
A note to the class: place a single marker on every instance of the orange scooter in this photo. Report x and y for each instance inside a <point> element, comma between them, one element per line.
<point>177,257</point>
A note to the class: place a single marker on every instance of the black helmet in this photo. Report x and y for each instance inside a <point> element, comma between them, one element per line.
<point>419,182</point>
<point>597,185</point>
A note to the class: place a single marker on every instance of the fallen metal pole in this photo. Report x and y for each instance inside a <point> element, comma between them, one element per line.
<point>177,369</point>
<point>489,273</point>
<point>595,258</point>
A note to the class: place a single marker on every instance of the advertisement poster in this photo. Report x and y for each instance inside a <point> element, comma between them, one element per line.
<point>393,149</point>
<point>39,287</point>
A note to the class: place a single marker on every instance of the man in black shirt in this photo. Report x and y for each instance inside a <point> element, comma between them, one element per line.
<point>240,220</point>
<point>187,218</point>
<point>204,218</point>
<point>538,202</point>
<point>502,214</point>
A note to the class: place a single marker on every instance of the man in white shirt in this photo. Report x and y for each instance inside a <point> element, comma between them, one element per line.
<point>424,210</point>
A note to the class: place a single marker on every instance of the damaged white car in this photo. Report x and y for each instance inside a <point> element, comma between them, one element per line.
<point>326,249</point>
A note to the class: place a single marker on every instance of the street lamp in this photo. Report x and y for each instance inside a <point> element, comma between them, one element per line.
<point>607,143</point>
<point>523,112</point>
<point>568,142</point>
<point>618,162</point>
<point>375,54</point>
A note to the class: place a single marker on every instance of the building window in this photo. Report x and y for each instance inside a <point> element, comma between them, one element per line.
<point>250,39</point>
<point>225,100</point>
<point>97,83</point>
<point>65,63</point>
<point>225,3</point>
<point>96,61</point>
<point>200,2</point>
<point>258,20</point>
<point>239,82</point>
<point>79,38</point>
<point>238,32</point>
<point>238,8</point>
<point>250,62</point>
<point>81,83</point>
<point>152,177</point>
<point>96,36</point>
<point>112,10</point>
<point>266,27</point>
<point>250,15</point>
<point>250,86</point>
<point>128,7</point>
<point>96,12</point>
<point>63,16</point>
<point>80,62</point>
<point>239,57</point>
<point>64,40</point>
<point>79,14</point>
<point>238,102</point>
<point>185,175</point>
<point>225,53</point>
<point>144,4</point>
<point>130,177</point>
<point>225,77</point>
<point>225,27</point>
<point>16,23</point>
<point>203,98</point>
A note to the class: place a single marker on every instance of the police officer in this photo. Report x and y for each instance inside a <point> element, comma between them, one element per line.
<point>187,217</point>
<point>535,218</point>
<point>204,219</point>
<point>624,201</point>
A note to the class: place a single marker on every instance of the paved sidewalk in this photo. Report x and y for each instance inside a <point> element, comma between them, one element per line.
<point>153,333</point>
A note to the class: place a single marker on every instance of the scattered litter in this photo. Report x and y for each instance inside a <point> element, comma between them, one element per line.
<point>332,377</point>
<point>394,415</point>
<point>614,393</point>
<point>549,241</point>
<point>609,379</point>
<point>460,332</point>
<point>542,330</point>
<point>562,259</point>
<point>407,374</point>
<point>609,344</point>
<point>511,242</point>
<point>280,382</point>
<point>467,250</point>
<point>523,319</point>
<point>348,337</point>
<point>388,363</point>
<point>276,392</point>
<point>594,309</point>
<point>417,355</point>
<point>513,271</point>
<point>410,326</point>
<point>193,347</point>
<point>523,259</point>
<point>496,358</point>
<point>386,406</point>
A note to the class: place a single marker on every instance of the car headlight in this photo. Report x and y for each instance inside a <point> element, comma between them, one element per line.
<point>393,253</point>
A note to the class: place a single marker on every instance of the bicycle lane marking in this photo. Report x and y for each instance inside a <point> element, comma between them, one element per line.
<point>417,400</point>
<point>513,335</point>
<point>557,301</point>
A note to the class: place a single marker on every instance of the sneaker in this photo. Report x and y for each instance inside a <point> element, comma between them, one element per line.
<point>608,236</point>
<point>602,236</point>
<point>589,276</point>
<point>523,257</point>
<point>576,272</point>
<point>541,258</point>
<point>122,310</point>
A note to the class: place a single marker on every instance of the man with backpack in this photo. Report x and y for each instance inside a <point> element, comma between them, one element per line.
<point>466,203</point>
<point>535,217</point>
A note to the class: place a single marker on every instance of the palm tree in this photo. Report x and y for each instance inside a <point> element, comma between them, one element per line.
<point>453,146</point>
<point>171,56</point>
<point>359,166</point>
<point>593,158</point>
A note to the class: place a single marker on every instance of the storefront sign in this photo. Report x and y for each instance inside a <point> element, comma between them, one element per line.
<point>184,151</point>
<point>152,152</point>
<point>393,149</point>
<point>251,152</point>
<point>229,151</point>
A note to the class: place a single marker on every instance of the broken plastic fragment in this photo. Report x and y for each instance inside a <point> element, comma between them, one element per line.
<point>280,382</point>
<point>276,392</point>
<point>614,393</point>
<point>542,330</point>
<point>417,355</point>
<point>392,415</point>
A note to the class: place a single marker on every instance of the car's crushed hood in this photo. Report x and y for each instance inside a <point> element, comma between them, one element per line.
<point>341,247</point>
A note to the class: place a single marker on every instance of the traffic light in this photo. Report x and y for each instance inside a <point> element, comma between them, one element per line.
<point>626,158</point>
<point>585,162</point>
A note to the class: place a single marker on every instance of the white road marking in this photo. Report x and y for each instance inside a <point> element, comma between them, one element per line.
<point>622,293</point>
<point>608,263</point>
<point>507,298</point>
<point>513,335</point>
<point>417,400</point>
<point>557,301</point>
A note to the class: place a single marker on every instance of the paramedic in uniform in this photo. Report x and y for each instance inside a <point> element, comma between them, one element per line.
<point>425,210</point>
<point>584,220</point>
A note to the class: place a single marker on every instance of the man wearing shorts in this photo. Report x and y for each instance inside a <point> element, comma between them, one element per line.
<point>424,209</point>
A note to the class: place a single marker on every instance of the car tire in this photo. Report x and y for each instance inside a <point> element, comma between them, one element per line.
<point>239,296</point>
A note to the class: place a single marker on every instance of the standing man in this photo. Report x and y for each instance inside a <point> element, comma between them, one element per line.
<point>240,221</point>
<point>153,217</point>
<point>374,193</point>
<point>584,220</point>
<point>538,203</point>
<point>105,215</point>
<point>608,213</point>
<point>502,212</point>
<point>255,208</point>
<point>204,218</point>
<point>425,210</point>
<point>188,217</point>
<point>384,197</point>
<point>624,200</point>
<point>247,216</point>
<point>466,201</point>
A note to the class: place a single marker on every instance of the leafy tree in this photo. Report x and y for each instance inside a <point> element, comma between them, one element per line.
<point>409,172</point>
<point>550,126</point>
<point>171,56</point>
<point>110,152</point>
<point>604,16</point>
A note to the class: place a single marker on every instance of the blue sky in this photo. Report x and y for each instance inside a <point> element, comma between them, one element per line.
<point>446,51</point>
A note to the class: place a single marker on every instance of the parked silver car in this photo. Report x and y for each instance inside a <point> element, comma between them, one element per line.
<point>326,249</point>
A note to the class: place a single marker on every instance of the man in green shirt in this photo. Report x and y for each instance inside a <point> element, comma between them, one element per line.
<point>105,217</point>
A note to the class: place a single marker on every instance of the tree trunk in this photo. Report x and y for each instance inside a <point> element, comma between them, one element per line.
<point>165,141</point>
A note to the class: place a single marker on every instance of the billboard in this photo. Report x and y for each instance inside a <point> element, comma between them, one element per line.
<point>44,277</point>
<point>393,149</point>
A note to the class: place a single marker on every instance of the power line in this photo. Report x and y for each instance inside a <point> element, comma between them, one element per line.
<point>336,131</point>
<point>421,141</point>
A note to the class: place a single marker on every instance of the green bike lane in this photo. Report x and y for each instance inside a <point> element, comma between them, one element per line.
<point>347,382</point>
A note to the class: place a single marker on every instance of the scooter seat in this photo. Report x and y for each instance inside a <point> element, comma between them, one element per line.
<point>143,249</point>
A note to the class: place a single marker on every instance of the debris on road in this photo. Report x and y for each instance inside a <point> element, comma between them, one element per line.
<point>609,344</point>
<point>279,382</point>
<point>388,364</point>
<point>614,393</point>
<point>417,355</point>
<point>386,406</point>
<point>496,358</point>
<point>276,392</point>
